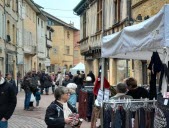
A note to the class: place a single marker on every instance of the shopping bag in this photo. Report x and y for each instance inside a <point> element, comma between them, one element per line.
<point>32,98</point>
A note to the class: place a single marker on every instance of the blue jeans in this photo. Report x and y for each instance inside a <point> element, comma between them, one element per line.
<point>47,90</point>
<point>3,124</point>
<point>27,100</point>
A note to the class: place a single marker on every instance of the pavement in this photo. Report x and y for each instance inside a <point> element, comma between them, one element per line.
<point>35,118</point>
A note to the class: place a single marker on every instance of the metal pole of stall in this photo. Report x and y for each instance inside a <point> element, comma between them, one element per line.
<point>103,63</point>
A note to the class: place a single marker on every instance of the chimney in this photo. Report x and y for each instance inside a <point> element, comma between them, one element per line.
<point>71,24</point>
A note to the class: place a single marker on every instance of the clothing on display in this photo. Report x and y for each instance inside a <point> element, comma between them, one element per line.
<point>86,101</point>
<point>122,113</point>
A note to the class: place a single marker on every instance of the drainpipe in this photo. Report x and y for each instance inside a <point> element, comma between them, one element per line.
<point>103,62</point>
<point>5,56</point>
<point>129,11</point>
<point>129,24</point>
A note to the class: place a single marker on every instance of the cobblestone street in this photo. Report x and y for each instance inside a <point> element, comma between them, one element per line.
<point>33,119</point>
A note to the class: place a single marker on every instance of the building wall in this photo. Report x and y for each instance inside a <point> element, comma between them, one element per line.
<point>77,58</point>
<point>41,43</point>
<point>62,37</point>
<point>30,41</point>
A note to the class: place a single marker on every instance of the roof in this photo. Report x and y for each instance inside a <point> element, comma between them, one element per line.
<point>33,5</point>
<point>59,21</point>
<point>79,9</point>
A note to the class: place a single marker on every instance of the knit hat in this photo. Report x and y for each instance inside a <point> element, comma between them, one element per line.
<point>88,78</point>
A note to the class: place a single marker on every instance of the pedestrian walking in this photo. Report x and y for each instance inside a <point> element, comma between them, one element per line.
<point>47,83</point>
<point>38,98</point>
<point>7,101</point>
<point>26,86</point>
<point>59,78</point>
<point>67,80</point>
<point>53,78</point>
<point>9,79</point>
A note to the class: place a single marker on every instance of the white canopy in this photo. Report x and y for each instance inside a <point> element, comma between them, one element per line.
<point>80,67</point>
<point>140,40</point>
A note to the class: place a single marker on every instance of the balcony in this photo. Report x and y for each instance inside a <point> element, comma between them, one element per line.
<point>30,50</point>
<point>49,43</point>
<point>84,45</point>
<point>96,41</point>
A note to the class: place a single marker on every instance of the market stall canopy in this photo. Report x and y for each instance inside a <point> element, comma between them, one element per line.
<point>140,40</point>
<point>80,67</point>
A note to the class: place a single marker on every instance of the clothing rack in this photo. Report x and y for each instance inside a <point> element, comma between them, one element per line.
<point>89,87</point>
<point>123,101</point>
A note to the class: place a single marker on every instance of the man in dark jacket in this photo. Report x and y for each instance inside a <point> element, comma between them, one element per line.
<point>67,80</point>
<point>12,82</point>
<point>7,101</point>
<point>92,76</point>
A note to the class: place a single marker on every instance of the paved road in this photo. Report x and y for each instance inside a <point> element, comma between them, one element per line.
<point>33,119</point>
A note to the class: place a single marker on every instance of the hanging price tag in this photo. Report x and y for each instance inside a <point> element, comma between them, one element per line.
<point>100,96</point>
<point>166,95</point>
<point>106,95</point>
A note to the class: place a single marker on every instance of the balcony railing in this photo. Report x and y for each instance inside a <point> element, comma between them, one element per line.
<point>84,45</point>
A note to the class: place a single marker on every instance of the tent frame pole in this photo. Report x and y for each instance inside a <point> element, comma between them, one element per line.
<point>103,64</point>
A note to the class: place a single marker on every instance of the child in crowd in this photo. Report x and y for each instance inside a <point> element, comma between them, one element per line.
<point>38,97</point>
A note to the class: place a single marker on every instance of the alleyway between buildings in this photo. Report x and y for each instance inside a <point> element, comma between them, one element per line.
<point>33,119</point>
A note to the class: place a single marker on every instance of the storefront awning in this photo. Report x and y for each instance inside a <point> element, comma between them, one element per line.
<point>140,40</point>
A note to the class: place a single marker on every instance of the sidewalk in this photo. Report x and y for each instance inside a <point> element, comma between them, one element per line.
<point>33,119</point>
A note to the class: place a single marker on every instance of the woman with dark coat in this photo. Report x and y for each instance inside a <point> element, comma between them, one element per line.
<point>59,111</point>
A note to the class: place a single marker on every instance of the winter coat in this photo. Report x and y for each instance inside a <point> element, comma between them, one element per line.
<point>26,84</point>
<point>47,81</point>
<point>12,82</point>
<point>54,117</point>
<point>7,100</point>
<point>66,82</point>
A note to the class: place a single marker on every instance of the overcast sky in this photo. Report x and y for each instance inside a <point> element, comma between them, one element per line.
<point>62,9</point>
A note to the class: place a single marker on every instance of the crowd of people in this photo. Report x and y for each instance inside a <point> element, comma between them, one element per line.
<point>36,84</point>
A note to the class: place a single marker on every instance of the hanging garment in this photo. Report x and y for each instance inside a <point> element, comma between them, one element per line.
<point>95,116</point>
<point>155,67</point>
<point>83,100</point>
<point>161,119</point>
<point>164,79</point>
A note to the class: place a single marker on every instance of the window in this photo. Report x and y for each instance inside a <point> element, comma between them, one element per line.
<point>50,35</point>
<point>34,17</point>
<point>67,50</point>
<point>99,15</point>
<point>41,23</point>
<point>76,54</point>
<point>68,34</point>
<point>13,5</point>
<point>84,25</point>
<point>8,27</point>
<point>14,34</point>
<point>117,4</point>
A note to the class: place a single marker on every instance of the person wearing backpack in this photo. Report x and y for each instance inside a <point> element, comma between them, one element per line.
<point>26,86</point>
